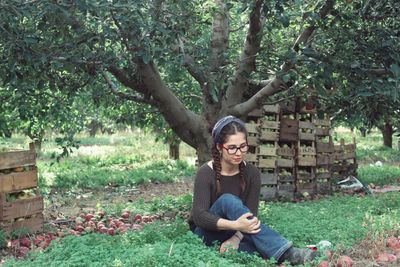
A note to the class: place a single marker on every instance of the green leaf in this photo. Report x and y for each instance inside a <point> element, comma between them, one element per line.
<point>395,69</point>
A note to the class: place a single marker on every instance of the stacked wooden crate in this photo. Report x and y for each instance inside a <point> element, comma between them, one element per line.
<point>289,136</point>
<point>345,162</point>
<point>325,156</point>
<point>267,151</point>
<point>21,206</point>
<point>306,154</point>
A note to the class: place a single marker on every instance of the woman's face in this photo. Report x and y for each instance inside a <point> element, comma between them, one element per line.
<point>230,152</point>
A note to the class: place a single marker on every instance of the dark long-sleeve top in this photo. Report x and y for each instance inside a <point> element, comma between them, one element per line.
<point>204,194</point>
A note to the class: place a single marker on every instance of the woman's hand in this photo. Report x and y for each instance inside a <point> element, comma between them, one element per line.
<point>230,244</point>
<point>247,223</point>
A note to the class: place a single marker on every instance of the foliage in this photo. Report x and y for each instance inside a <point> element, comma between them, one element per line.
<point>379,175</point>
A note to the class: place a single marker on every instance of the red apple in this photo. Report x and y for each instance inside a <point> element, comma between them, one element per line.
<point>385,258</point>
<point>122,229</point>
<point>345,261</point>
<point>60,233</point>
<point>393,243</point>
<point>38,240</point>
<point>103,230</point>
<point>89,217</point>
<point>101,214</point>
<point>146,219</point>
<point>125,214</point>
<point>22,251</point>
<point>111,231</point>
<point>137,218</point>
<point>323,264</point>
<point>25,242</point>
<point>79,228</point>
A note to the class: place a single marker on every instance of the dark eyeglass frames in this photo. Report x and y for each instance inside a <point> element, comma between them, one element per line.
<point>233,150</point>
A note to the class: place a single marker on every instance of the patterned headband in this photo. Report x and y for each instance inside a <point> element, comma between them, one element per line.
<point>221,124</point>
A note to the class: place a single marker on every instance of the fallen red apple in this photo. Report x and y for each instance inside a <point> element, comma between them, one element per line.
<point>101,214</point>
<point>25,242</point>
<point>79,228</point>
<point>146,219</point>
<point>345,261</point>
<point>393,243</point>
<point>38,240</point>
<point>385,257</point>
<point>22,251</point>
<point>125,214</point>
<point>89,217</point>
<point>111,231</point>
<point>323,264</point>
<point>137,218</point>
<point>103,230</point>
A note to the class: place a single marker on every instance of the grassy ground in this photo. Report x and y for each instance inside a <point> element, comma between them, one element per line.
<point>135,158</point>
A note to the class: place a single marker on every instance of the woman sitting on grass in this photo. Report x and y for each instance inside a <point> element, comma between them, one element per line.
<point>226,198</point>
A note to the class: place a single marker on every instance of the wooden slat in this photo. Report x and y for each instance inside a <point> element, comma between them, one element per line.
<point>270,125</point>
<point>324,175</point>
<point>306,125</point>
<point>266,151</point>
<point>20,208</point>
<point>321,132</point>
<point>307,136</point>
<point>325,159</point>
<point>289,126</point>
<point>307,161</point>
<point>17,181</point>
<point>318,122</point>
<point>34,224</point>
<point>14,159</point>
<point>286,163</point>
<point>266,163</point>
<point>251,157</point>
<point>350,147</point>
<point>268,192</point>
<point>324,147</point>
<point>307,151</point>
<point>269,178</point>
<point>252,140</point>
<point>252,127</point>
<point>269,136</point>
<point>285,152</point>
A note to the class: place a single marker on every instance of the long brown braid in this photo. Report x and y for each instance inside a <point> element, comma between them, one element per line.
<point>230,129</point>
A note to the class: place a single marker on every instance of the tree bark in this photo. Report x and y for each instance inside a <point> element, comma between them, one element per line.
<point>174,150</point>
<point>93,126</point>
<point>363,132</point>
<point>387,133</point>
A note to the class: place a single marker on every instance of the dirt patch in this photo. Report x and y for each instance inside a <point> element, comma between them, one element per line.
<point>63,204</point>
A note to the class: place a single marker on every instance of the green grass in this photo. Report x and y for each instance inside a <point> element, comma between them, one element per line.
<point>384,175</point>
<point>171,244</point>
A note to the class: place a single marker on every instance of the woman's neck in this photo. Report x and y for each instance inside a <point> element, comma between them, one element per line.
<point>229,169</point>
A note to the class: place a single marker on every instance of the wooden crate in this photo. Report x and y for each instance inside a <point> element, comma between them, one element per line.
<point>286,190</point>
<point>286,178</point>
<point>269,136</point>
<point>307,161</point>
<point>266,151</point>
<point>306,186</point>
<point>251,158</point>
<point>305,176</point>
<point>289,130</point>
<point>268,192</point>
<point>325,159</point>
<point>306,131</point>
<point>14,159</point>
<point>252,140</point>
<point>31,224</point>
<point>307,151</point>
<point>252,127</point>
<point>19,208</point>
<point>286,163</point>
<point>323,175</point>
<point>285,152</point>
<point>322,131</point>
<point>269,178</point>
<point>17,181</point>
<point>266,163</point>
<point>288,106</point>
<point>270,125</point>
<point>323,188</point>
<point>323,147</point>
<point>324,122</point>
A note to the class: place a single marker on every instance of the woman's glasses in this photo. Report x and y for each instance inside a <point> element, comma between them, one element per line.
<point>232,150</point>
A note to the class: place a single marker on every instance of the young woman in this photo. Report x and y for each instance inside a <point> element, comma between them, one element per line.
<point>226,198</point>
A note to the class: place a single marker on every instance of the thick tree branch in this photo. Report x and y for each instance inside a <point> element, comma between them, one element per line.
<point>183,122</point>
<point>247,62</point>
<point>219,37</point>
<point>117,92</point>
<point>277,85</point>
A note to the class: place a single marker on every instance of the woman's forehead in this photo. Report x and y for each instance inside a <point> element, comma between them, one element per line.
<point>236,139</point>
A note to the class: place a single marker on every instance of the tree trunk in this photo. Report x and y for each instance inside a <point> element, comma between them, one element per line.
<point>7,133</point>
<point>174,150</point>
<point>38,145</point>
<point>387,132</point>
<point>363,132</point>
<point>93,126</point>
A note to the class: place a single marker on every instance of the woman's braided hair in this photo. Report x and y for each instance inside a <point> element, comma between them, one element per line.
<point>230,129</point>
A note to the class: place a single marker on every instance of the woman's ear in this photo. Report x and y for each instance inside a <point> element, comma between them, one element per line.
<point>219,147</point>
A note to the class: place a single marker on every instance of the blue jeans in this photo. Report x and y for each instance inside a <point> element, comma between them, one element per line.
<point>267,242</point>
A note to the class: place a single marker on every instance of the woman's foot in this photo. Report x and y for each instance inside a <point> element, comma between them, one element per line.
<point>297,256</point>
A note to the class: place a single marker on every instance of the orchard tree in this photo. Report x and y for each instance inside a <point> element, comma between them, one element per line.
<point>228,48</point>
